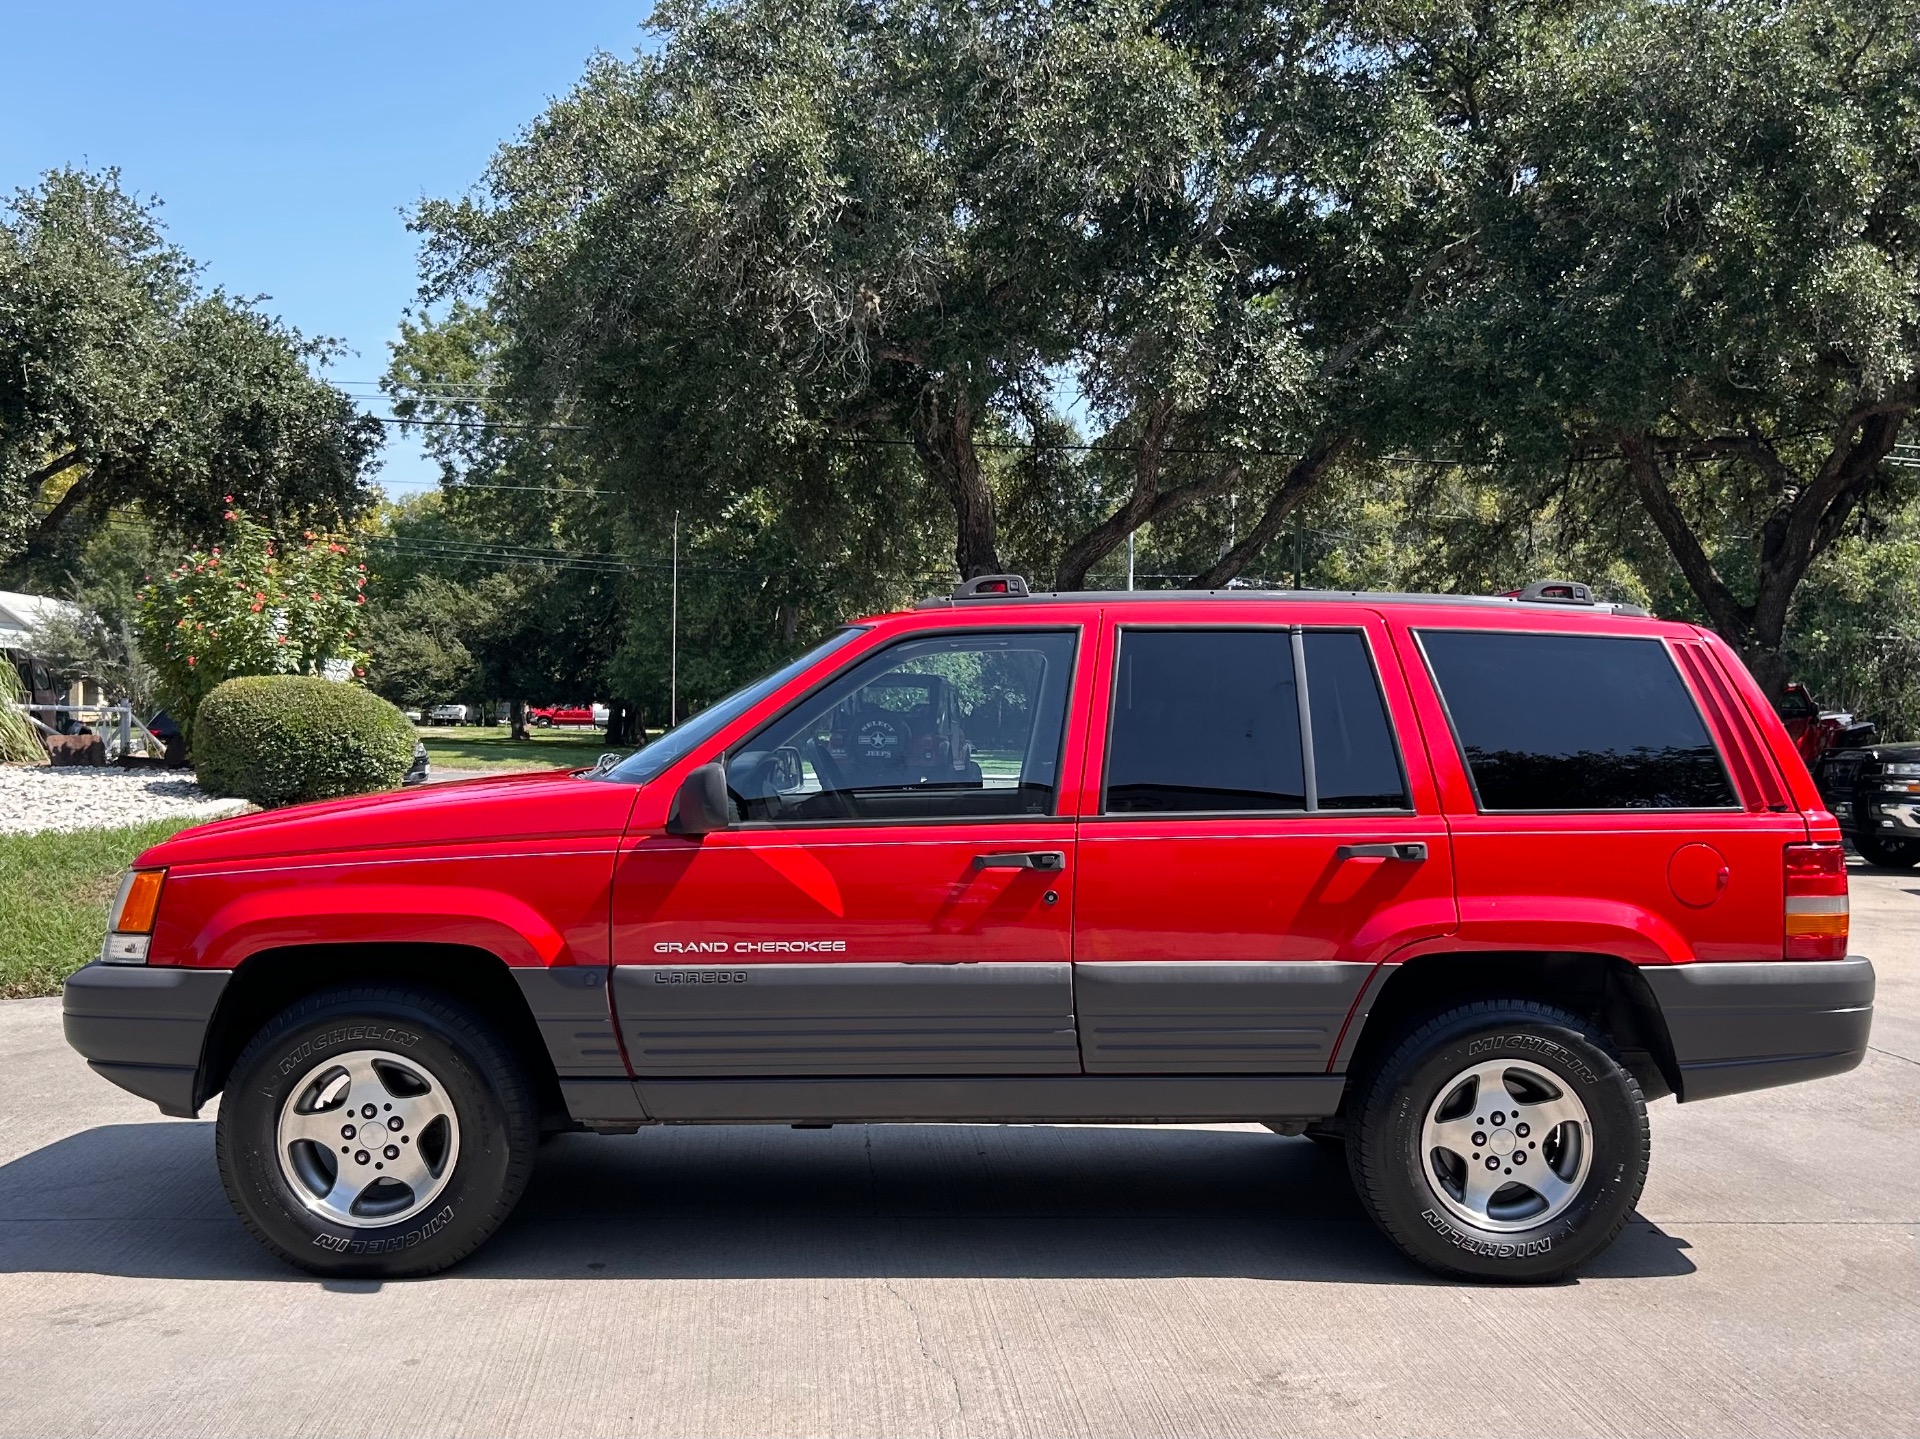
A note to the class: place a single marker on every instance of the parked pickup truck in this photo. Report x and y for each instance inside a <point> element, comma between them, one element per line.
<point>1875,794</point>
<point>549,715</point>
<point>1453,886</point>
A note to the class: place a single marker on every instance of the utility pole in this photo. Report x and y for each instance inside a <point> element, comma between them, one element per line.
<point>673,640</point>
<point>1129,559</point>
<point>1299,535</point>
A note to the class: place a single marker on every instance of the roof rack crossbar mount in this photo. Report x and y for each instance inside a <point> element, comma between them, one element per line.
<point>1556,592</point>
<point>983,587</point>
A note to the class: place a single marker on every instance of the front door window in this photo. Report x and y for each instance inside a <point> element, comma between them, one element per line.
<point>953,727</point>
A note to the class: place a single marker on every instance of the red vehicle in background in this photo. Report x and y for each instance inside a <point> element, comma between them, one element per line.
<point>1814,731</point>
<point>546,716</point>
<point>1453,886</point>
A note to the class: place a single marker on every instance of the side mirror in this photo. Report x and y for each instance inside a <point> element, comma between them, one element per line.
<point>701,806</point>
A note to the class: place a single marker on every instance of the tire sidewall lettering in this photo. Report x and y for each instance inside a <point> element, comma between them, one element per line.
<point>389,1244</point>
<point>315,1047</point>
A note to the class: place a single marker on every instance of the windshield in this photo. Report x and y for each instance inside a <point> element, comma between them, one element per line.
<point>648,763</point>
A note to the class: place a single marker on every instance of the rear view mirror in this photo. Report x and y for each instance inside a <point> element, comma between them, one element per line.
<point>701,806</point>
<point>787,774</point>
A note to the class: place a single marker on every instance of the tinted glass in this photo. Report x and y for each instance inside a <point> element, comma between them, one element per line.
<point>953,727</point>
<point>1575,722</point>
<point>1355,763</point>
<point>1204,720</point>
<point>644,764</point>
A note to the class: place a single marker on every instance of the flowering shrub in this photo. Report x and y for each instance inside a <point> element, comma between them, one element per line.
<point>251,606</point>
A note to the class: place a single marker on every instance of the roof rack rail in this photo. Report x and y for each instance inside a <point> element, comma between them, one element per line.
<point>982,587</point>
<point>1555,592</point>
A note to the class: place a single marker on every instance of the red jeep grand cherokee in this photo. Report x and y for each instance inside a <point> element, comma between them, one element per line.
<point>1456,883</point>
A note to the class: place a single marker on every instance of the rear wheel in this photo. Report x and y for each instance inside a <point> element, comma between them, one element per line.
<point>375,1131</point>
<point>1500,1140</point>
<point>1887,853</point>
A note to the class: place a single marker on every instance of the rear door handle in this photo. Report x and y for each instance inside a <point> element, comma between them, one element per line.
<point>1411,852</point>
<point>1049,859</point>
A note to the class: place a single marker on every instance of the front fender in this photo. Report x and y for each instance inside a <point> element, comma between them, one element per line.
<point>376,913</point>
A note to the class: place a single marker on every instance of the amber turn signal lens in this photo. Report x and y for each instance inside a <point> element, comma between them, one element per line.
<point>139,901</point>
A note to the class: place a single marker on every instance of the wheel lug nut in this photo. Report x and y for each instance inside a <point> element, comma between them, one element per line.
<point>346,1131</point>
<point>1493,1161</point>
<point>1522,1130</point>
<point>360,1156</point>
<point>367,1111</point>
<point>396,1123</point>
<point>1479,1139</point>
<point>393,1152</point>
<point>1519,1156</point>
<point>1499,1118</point>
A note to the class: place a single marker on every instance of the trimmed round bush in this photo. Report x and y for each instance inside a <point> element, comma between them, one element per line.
<point>286,739</point>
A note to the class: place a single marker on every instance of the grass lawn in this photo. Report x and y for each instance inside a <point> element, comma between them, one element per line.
<point>54,892</point>
<point>476,747</point>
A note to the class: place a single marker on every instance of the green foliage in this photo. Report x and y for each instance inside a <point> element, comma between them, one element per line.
<point>287,739</point>
<point>124,385</point>
<point>251,606</point>
<point>54,893</point>
<point>848,288</point>
<point>18,744</point>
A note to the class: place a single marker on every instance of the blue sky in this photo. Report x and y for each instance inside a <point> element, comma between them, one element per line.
<point>287,139</point>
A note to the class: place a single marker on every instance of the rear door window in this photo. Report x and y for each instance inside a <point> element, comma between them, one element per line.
<point>1208,721</point>
<point>1574,722</point>
<point>1356,764</point>
<point>1204,721</point>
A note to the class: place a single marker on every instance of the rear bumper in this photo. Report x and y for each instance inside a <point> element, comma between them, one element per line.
<point>144,1028</point>
<point>1743,1026</point>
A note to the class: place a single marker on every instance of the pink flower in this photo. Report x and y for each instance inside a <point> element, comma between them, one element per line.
<point>229,515</point>
<point>254,608</point>
<point>191,660</point>
<point>227,498</point>
<point>283,639</point>
<point>359,599</point>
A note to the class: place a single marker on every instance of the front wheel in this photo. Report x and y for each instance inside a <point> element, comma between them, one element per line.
<point>1887,853</point>
<point>376,1131</point>
<point>1501,1140</point>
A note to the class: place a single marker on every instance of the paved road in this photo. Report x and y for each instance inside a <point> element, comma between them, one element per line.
<point>950,1280</point>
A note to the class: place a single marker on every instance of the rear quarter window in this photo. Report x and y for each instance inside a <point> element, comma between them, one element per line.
<point>1574,722</point>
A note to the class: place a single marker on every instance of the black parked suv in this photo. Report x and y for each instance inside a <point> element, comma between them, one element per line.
<point>1875,794</point>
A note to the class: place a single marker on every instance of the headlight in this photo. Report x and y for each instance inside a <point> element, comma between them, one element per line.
<point>130,921</point>
<point>1902,769</point>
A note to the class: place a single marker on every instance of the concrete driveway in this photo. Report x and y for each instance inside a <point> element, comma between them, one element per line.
<point>975,1281</point>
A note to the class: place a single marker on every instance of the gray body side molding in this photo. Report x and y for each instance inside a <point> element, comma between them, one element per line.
<point>845,1019</point>
<point>570,1007</point>
<point>1196,1018</point>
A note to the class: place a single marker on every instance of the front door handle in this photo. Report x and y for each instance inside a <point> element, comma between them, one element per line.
<point>1048,859</point>
<point>1410,852</point>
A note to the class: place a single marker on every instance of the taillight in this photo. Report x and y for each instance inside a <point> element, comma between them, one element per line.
<point>1816,901</point>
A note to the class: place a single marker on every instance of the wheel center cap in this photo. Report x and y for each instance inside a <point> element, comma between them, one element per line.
<point>1502,1142</point>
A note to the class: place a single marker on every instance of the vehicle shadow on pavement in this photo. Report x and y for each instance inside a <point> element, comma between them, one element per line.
<point>762,1202</point>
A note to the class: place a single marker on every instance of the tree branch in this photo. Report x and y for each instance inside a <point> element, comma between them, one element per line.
<point>1294,489</point>
<point>1732,619</point>
<point>1096,544</point>
<point>64,506</point>
<point>47,471</point>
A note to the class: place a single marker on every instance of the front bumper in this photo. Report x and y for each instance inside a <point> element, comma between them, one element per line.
<point>144,1028</point>
<point>1745,1026</point>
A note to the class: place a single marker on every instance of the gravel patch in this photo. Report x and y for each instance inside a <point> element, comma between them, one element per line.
<point>36,798</point>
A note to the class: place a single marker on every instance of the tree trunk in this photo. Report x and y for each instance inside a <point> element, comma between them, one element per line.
<point>517,721</point>
<point>943,438</point>
<point>1299,484</point>
<point>1809,516</point>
